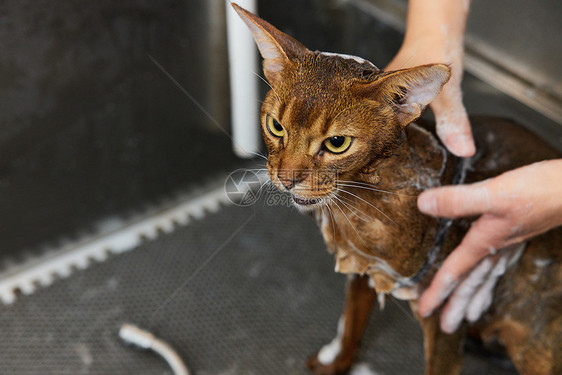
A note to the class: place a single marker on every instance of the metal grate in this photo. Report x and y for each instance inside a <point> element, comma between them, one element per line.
<point>244,291</point>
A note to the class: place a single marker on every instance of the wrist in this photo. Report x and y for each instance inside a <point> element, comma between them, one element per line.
<point>436,21</point>
<point>434,17</point>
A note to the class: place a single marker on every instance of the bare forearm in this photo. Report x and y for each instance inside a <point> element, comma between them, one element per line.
<point>435,34</point>
<point>442,20</point>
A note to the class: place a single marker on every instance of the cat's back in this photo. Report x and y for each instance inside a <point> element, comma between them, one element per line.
<point>503,145</point>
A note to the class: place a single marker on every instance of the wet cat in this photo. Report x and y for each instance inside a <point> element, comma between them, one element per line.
<point>341,139</point>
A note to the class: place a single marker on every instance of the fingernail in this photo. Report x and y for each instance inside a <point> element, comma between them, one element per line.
<point>427,203</point>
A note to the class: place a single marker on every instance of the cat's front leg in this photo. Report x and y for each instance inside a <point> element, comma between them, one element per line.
<point>338,356</point>
<point>443,351</point>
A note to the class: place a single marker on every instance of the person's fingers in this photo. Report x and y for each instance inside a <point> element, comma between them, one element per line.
<point>453,128</point>
<point>474,247</point>
<point>482,299</point>
<point>456,201</point>
<point>474,294</point>
<point>460,300</point>
<point>451,120</point>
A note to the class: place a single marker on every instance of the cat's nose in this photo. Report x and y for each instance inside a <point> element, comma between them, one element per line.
<point>288,180</point>
<point>287,183</point>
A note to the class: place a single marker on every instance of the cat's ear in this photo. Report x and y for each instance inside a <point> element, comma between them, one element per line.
<point>409,91</point>
<point>277,48</point>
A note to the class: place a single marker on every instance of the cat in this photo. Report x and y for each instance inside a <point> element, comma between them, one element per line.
<point>341,139</point>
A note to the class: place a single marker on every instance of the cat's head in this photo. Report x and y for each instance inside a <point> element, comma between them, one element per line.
<point>328,117</point>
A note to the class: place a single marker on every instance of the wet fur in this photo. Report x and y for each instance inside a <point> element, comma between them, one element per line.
<point>381,235</point>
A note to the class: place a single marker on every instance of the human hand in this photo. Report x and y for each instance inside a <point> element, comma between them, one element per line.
<point>452,125</point>
<point>435,34</point>
<point>514,207</point>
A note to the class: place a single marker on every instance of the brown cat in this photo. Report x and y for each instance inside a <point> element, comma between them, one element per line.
<point>339,133</point>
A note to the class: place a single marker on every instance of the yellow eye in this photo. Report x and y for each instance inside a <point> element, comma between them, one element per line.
<point>274,127</point>
<point>337,145</point>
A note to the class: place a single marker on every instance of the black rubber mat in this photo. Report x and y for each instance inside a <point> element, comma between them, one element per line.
<point>244,291</point>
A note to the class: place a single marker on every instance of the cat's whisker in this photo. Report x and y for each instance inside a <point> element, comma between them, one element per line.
<point>263,183</point>
<point>368,203</point>
<point>257,154</point>
<point>267,83</point>
<point>349,221</point>
<point>358,250</point>
<point>348,204</point>
<point>358,182</point>
<point>407,61</point>
<point>254,169</point>
<point>353,211</point>
<point>351,204</point>
<point>367,186</point>
<point>378,190</point>
<point>257,172</point>
<point>344,215</point>
<point>358,197</point>
<point>258,167</point>
<point>350,208</point>
<point>266,183</point>
<point>333,223</point>
<point>198,105</point>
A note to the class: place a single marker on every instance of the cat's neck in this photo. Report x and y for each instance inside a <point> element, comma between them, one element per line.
<point>418,162</point>
<point>382,225</point>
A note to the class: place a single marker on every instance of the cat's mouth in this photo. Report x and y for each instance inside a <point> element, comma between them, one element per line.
<point>306,202</point>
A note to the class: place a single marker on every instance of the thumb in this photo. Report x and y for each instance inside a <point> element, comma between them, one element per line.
<point>456,201</point>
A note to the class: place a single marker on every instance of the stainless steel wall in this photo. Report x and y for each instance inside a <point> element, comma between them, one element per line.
<point>513,45</point>
<point>524,36</point>
<point>90,127</point>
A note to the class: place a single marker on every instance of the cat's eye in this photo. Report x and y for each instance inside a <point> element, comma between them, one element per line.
<point>274,127</point>
<point>337,145</point>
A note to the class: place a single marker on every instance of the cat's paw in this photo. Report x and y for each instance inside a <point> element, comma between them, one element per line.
<point>340,366</point>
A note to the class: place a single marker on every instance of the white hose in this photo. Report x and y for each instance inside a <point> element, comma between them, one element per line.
<point>146,340</point>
